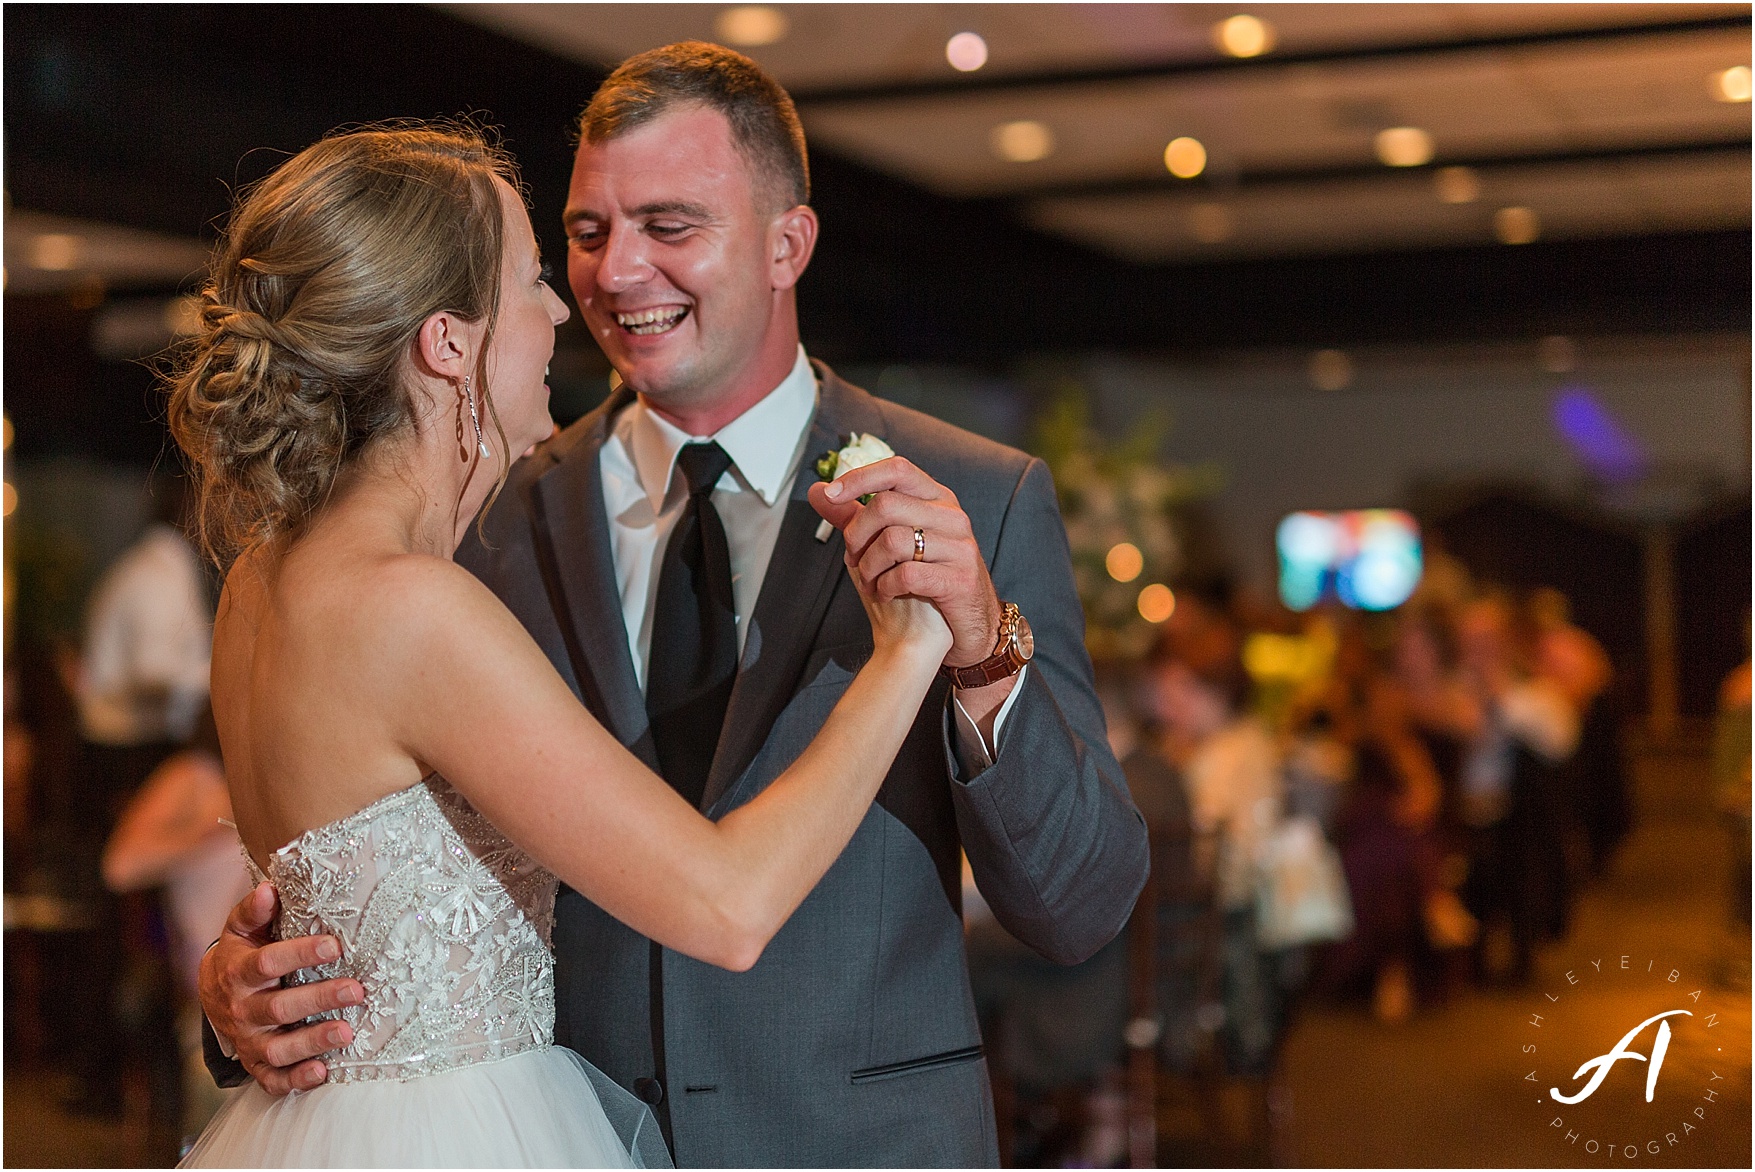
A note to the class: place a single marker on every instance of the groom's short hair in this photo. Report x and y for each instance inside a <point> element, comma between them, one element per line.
<point>764,124</point>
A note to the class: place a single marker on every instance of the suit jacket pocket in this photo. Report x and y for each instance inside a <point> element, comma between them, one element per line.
<point>916,1065</point>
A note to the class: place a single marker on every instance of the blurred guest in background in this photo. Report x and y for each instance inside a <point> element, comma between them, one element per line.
<point>1512,793</point>
<point>148,640</point>
<point>140,687</point>
<point>1730,782</point>
<point>1230,770</point>
<point>1575,664</point>
<point>176,833</point>
<point>1391,840</point>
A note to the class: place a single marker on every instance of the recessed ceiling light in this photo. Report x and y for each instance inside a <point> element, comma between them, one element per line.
<point>1331,370</point>
<point>1404,146</point>
<point>1557,354</point>
<point>55,252</point>
<point>1516,225</point>
<point>1731,85</point>
<point>1243,36</point>
<point>1457,184</point>
<point>1023,141</point>
<point>752,25</point>
<point>966,52</point>
<point>1185,157</point>
<point>1210,223</point>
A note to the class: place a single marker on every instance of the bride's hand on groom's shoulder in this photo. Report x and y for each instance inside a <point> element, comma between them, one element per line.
<point>912,537</point>
<point>258,1017</point>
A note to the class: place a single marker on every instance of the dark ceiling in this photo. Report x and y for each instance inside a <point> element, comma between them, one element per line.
<point>147,115</point>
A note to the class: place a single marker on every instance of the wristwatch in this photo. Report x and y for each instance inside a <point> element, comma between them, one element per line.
<point>1016,647</point>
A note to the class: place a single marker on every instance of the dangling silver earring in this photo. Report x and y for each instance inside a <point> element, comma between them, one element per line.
<point>475,419</point>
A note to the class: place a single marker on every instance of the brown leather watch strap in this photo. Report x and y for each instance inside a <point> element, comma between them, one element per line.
<point>1005,661</point>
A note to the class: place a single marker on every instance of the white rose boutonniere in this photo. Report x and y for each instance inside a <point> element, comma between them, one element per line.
<point>859,451</point>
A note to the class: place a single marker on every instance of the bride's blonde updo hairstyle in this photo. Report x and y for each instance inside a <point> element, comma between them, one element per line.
<point>328,268</point>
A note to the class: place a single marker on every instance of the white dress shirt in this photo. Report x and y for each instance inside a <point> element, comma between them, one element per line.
<point>644,498</point>
<point>148,643</point>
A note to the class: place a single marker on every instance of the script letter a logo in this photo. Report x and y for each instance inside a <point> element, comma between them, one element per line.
<point>1600,1066</point>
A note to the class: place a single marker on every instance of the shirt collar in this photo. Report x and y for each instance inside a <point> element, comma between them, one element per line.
<point>761,442</point>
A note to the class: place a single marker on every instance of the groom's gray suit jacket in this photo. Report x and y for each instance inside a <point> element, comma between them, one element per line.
<point>853,1041</point>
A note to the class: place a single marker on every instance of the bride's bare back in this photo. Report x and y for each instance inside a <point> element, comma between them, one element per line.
<point>302,656</point>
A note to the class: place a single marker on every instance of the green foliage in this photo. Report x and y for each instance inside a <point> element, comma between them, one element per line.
<point>1114,492</point>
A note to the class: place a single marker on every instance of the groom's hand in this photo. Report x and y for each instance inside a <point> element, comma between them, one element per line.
<point>950,572</point>
<point>241,992</point>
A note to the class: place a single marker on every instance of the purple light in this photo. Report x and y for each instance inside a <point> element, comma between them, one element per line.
<point>1598,437</point>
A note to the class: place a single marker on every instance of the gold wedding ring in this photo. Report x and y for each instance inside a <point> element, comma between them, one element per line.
<point>920,545</point>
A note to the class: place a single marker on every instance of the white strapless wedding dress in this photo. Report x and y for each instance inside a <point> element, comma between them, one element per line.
<point>446,923</point>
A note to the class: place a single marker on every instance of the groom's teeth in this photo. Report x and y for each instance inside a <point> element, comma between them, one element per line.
<point>651,321</point>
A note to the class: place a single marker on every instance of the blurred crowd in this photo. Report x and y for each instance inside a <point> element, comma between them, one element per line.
<point>121,862</point>
<point>1377,809</point>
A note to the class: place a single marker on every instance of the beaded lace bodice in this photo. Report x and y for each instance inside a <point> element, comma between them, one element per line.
<point>440,917</point>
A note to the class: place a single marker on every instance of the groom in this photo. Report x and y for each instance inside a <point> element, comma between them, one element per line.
<point>853,1041</point>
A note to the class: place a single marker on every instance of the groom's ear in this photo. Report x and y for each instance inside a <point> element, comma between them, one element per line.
<point>792,238</point>
<point>443,346</point>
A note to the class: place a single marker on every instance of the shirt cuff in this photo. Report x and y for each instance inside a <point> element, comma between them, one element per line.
<point>224,1043</point>
<point>973,751</point>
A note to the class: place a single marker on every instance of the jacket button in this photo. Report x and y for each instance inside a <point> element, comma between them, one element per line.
<point>649,1090</point>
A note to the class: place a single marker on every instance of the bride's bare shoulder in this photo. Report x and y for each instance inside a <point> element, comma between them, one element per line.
<point>369,602</point>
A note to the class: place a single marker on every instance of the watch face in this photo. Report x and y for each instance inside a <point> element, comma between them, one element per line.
<point>1025,639</point>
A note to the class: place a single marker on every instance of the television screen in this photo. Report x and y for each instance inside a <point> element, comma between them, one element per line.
<point>1367,559</point>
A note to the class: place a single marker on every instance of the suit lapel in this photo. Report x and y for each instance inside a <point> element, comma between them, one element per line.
<point>573,543</point>
<point>802,577</point>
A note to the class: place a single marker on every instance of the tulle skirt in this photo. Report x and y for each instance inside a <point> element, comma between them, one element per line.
<point>540,1108</point>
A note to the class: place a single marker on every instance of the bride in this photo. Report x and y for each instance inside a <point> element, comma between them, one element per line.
<point>404,763</point>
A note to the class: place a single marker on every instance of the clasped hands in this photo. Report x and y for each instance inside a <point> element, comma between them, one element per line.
<point>267,1023</point>
<point>949,571</point>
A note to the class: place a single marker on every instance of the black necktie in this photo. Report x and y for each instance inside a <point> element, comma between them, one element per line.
<point>694,632</point>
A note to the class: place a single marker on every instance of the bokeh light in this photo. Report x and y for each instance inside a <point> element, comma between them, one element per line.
<point>1601,442</point>
<point>1330,370</point>
<point>1404,146</point>
<point>1732,85</point>
<point>8,499</point>
<point>1156,603</point>
<point>751,26</point>
<point>55,252</point>
<point>1243,36</point>
<point>1557,354</point>
<point>1367,559</point>
<point>1456,184</point>
<point>966,52</point>
<point>1516,225</point>
<point>1124,562</point>
<point>1024,141</point>
<point>1185,157</point>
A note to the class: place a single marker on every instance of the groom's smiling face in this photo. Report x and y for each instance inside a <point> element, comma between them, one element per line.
<point>669,244</point>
